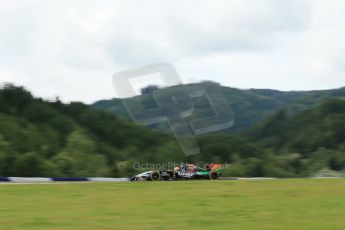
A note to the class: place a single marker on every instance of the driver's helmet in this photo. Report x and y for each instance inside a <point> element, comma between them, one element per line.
<point>208,167</point>
<point>190,167</point>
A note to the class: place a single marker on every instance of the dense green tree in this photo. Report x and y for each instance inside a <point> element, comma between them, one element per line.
<point>32,165</point>
<point>7,157</point>
<point>80,158</point>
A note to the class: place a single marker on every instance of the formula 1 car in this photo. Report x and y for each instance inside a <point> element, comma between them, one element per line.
<point>182,172</point>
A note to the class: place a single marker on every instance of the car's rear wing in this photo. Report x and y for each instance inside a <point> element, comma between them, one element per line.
<point>215,167</point>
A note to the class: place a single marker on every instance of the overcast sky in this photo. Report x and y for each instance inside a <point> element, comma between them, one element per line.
<point>72,48</point>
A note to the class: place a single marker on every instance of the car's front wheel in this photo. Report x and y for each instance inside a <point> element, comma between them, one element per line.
<point>155,176</point>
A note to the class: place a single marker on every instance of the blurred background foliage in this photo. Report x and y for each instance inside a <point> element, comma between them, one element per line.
<point>276,134</point>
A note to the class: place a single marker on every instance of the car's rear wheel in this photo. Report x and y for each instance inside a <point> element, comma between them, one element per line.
<point>155,176</point>
<point>214,176</point>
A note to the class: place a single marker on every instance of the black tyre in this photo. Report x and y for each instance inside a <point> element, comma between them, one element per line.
<point>214,176</point>
<point>155,176</point>
<point>176,176</point>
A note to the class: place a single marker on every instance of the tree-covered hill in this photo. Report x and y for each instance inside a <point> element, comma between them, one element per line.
<point>284,146</point>
<point>50,138</point>
<point>250,106</point>
<point>42,138</point>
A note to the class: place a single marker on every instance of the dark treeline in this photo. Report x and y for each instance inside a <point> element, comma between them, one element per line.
<point>281,146</point>
<point>43,138</point>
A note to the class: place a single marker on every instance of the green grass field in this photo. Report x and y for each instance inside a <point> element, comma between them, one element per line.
<point>271,204</point>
